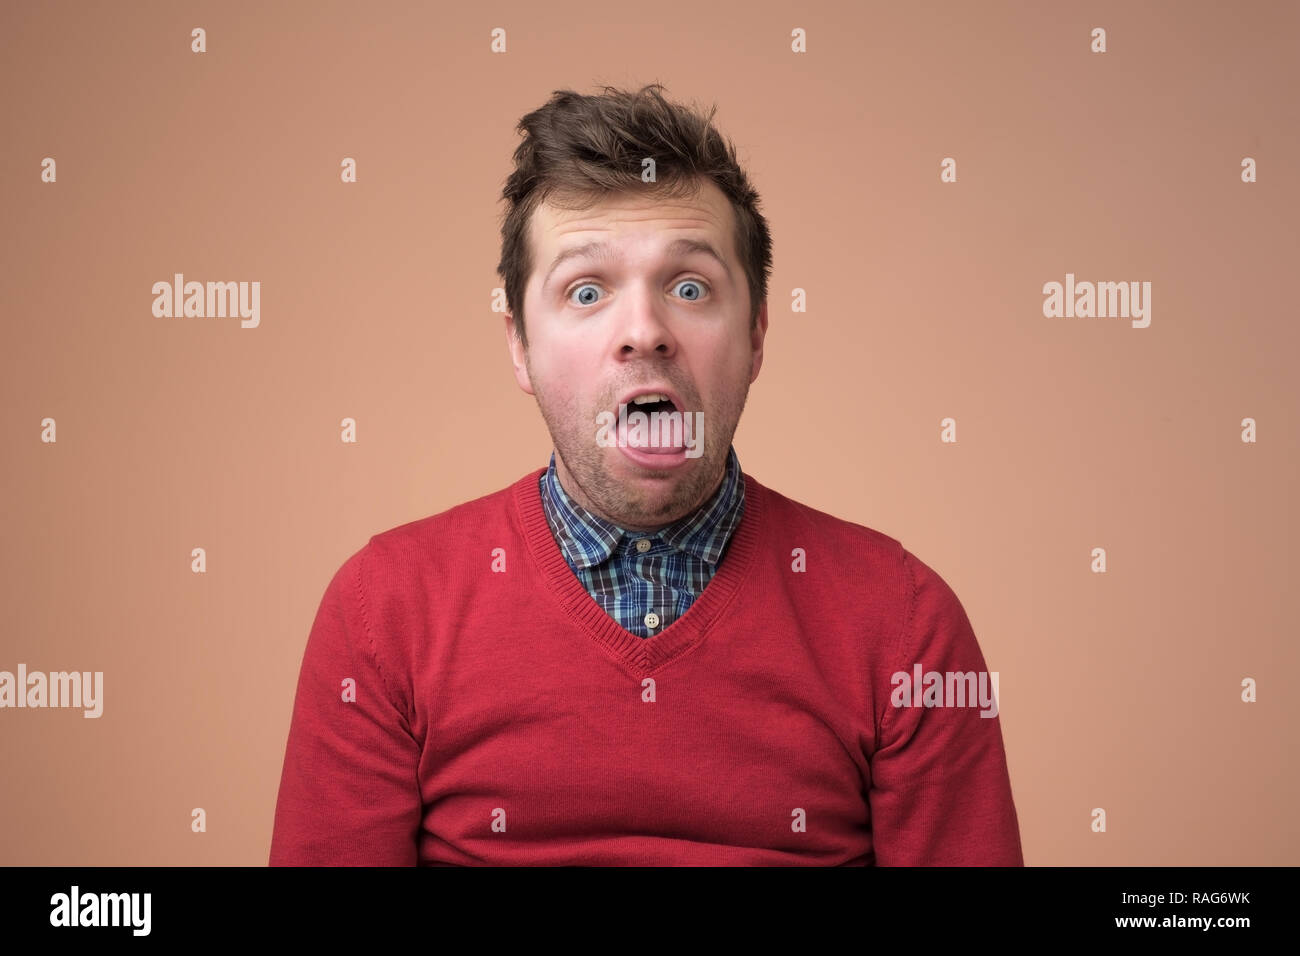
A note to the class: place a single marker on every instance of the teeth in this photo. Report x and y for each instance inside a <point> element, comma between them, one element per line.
<point>651,397</point>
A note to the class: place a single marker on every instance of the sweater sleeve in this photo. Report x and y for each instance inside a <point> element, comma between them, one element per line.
<point>349,794</point>
<point>940,793</point>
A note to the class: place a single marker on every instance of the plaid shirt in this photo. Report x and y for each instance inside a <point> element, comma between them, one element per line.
<point>645,590</point>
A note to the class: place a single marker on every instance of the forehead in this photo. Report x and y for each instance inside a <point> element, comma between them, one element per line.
<point>707,215</point>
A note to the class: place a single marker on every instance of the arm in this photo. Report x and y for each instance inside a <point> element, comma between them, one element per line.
<point>940,793</point>
<point>349,794</point>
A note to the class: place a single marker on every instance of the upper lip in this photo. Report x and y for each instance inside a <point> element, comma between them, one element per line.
<point>651,390</point>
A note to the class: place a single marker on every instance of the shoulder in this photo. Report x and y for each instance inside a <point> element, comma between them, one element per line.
<point>447,529</point>
<point>788,520</point>
<point>863,559</point>
<point>436,545</point>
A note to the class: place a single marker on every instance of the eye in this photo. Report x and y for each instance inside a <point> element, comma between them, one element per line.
<point>586,298</point>
<point>693,282</point>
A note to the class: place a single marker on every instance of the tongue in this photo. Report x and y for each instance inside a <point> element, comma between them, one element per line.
<point>655,433</point>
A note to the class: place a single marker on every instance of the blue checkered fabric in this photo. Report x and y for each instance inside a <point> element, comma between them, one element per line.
<point>663,580</point>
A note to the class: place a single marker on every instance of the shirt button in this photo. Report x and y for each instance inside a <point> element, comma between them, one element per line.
<point>651,619</point>
<point>643,545</point>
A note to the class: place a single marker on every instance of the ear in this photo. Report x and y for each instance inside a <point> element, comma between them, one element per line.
<point>756,340</point>
<point>517,355</point>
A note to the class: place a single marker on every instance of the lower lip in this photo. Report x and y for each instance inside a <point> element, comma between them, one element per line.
<point>659,460</point>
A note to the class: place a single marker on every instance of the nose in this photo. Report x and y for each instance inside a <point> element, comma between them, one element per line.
<point>642,328</point>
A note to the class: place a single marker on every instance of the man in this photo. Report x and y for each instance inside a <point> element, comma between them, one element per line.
<point>639,654</point>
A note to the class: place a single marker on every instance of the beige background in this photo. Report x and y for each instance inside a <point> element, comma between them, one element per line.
<point>1119,690</point>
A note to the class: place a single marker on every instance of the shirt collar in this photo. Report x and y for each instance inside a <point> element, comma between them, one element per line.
<point>587,540</point>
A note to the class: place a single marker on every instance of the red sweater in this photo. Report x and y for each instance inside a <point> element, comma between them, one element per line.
<point>463,700</point>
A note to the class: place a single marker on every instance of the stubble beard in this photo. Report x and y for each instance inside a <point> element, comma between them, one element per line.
<point>682,489</point>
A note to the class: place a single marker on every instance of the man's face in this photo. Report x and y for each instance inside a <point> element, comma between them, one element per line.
<point>639,317</point>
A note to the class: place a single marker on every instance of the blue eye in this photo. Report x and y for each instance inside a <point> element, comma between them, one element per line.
<point>691,298</point>
<point>588,300</point>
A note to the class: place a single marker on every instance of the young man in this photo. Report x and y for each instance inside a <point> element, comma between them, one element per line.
<point>639,654</point>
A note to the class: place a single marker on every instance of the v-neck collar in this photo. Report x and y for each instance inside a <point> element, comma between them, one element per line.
<point>640,655</point>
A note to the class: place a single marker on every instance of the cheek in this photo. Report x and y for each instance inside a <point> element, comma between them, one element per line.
<point>563,365</point>
<point>728,378</point>
<point>558,394</point>
<point>732,365</point>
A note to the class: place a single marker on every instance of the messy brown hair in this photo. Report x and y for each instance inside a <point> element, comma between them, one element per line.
<point>578,150</point>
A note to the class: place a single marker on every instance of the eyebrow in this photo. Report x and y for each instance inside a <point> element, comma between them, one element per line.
<point>597,249</point>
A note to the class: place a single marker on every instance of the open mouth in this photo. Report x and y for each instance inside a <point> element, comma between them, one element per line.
<point>649,402</point>
<point>657,405</point>
<point>662,428</point>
